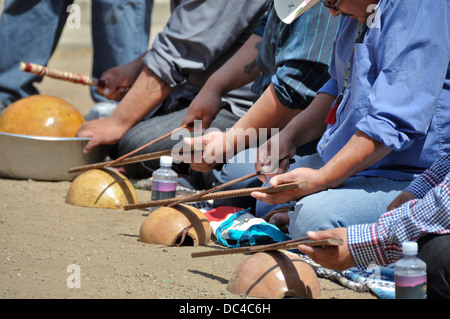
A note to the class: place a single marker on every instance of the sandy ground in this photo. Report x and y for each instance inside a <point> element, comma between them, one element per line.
<point>42,238</point>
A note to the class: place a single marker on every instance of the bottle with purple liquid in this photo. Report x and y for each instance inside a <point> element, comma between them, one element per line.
<point>164,184</point>
<point>410,274</point>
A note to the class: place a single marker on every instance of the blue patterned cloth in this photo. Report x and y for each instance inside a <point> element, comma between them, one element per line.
<point>243,229</point>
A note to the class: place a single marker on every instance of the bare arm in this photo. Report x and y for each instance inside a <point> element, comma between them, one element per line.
<point>360,152</point>
<point>144,96</point>
<point>238,71</point>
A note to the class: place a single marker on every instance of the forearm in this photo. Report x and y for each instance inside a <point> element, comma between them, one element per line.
<point>239,70</point>
<point>144,96</point>
<point>359,153</point>
<point>138,63</point>
<point>266,113</point>
<point>310,124</point>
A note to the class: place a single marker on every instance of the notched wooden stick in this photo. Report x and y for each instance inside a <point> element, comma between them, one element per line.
<point>293,244</point>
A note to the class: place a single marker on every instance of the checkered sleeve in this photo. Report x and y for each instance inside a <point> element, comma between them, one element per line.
<point>430,177</point>
<point>380,243</point>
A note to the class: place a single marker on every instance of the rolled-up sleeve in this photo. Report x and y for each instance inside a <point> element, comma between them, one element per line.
<point>330,87</point>
<point>197,34</point>
<point>411,53</point>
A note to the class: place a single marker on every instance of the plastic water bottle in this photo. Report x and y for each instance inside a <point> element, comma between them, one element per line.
<point>164,184</point>
<point>410,274</point>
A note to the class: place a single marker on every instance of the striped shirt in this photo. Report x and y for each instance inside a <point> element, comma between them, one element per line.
<point>429,213</point>
<point>295,57</point>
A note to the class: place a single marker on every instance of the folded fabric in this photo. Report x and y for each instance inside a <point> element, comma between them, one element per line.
<point>238,229</point>
<point>378,280</point>
<point>218,215</point>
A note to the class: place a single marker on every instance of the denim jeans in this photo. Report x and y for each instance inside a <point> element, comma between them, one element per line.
<point>30,31</point>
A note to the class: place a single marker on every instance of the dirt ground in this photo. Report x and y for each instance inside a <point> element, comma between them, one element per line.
<point>42,238</point>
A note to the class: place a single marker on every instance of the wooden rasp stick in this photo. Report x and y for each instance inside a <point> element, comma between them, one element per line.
<point>60,75</point>
<point>130,160</point>
<point>112,163</point>
<point>221,195</point>
<point>232,182</point>
<point>290,244</point>
<point>208,191</point>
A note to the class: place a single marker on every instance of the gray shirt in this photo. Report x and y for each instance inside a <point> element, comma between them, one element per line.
<point>198,38</point>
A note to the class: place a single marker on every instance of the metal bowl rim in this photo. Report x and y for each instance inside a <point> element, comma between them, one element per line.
<point>47,138</point>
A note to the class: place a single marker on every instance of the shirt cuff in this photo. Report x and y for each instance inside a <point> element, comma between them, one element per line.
<point>383,132</point>
<point>365,245</point>
<point>157,64</point>
<point>417,190</point>
<point>330,87</point>
<point>298,98</point>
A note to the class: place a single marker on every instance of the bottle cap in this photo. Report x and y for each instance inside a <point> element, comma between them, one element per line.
<point>165,160</point>
<point>409,247</point>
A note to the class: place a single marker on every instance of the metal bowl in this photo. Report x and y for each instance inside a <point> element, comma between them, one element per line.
<point>44,158</point>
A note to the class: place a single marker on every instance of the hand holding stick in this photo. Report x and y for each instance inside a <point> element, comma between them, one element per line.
<point>145,145</point>
<point>126,159</point>
<point>229,183</point>
<point>288,244</point>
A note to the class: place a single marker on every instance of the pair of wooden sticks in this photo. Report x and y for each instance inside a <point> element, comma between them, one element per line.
<point>128,159</point>
<point>288,244</point>
<point>213,194</point>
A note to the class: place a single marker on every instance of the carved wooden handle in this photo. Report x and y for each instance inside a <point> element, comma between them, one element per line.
<point>59,74</point>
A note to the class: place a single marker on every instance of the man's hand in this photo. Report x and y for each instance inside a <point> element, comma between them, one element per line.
<point>213,153</point>
<point>118,80</point>
<point>205,106</point>
<point>101,131</point>
<point>402,198</point>
<point>273,156</point>
<point>338,258</point>
<point>315,179</point>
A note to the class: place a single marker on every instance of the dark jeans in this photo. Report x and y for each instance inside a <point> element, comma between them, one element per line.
<point>434,250</point>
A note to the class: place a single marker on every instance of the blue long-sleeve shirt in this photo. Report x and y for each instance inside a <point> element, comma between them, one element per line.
<point>398,91</point>
<point>429,213</point>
